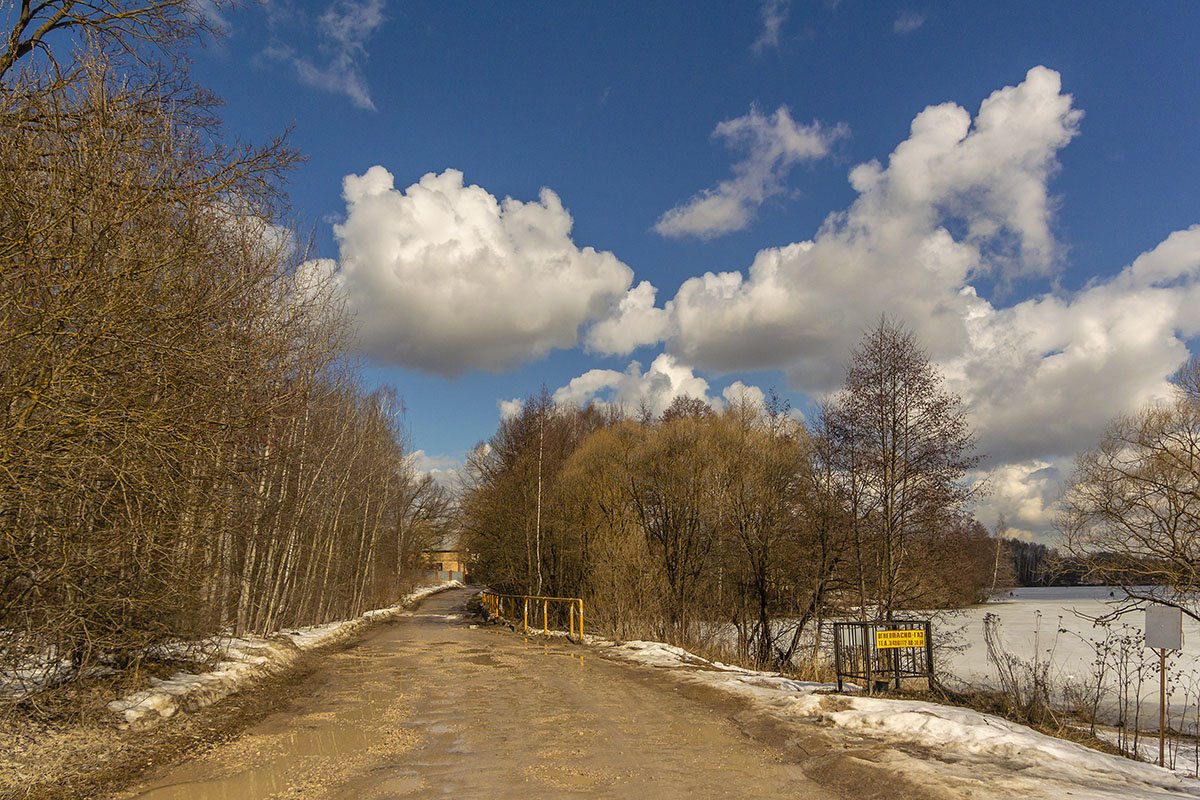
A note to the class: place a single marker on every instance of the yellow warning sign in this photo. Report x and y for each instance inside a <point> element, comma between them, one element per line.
<point>886,639</point>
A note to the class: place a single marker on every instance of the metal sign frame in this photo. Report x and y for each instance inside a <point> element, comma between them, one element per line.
<point>858,657</point>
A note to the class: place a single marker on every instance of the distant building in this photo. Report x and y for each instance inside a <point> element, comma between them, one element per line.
<point>447,561</point>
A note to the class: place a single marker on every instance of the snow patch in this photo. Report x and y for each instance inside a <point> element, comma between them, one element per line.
<point>1002,758</point>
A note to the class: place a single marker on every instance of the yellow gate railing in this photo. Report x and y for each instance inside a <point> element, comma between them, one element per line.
<point>515,609</point>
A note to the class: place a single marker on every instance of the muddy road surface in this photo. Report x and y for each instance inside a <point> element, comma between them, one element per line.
<point>434,705</point>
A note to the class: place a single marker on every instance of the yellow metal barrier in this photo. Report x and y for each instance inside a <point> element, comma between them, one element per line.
<point>515,608</point>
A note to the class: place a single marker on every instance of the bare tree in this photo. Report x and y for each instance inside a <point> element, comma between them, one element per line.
<point>616,572</point>
<point>1187,380</point>
<point>130,27</point>
<point>761,465</point>
<point>1001,530</point>
<point>904,447</point>
<point>513,513</point>
<point>1132,508</point>
<point>182,448</point>
<point>671,486</point>
<point>705,527</point>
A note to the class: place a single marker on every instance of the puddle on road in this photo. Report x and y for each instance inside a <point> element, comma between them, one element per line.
<point>484,660</point>
<point>312,751</point>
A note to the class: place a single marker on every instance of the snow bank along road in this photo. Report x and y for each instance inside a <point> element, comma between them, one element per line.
<point>432,705</point>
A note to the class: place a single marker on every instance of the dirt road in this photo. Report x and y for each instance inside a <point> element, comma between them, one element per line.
<point>434,705</point>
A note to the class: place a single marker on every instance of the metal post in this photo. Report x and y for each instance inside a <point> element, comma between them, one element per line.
<point>525,618</point>
<point>1162,703</point>
<point>581,619</point>
<point>868,634</point>
<point>837,653</point>
<point>572,619</point>
<point>929,653</point>
<point>895,651</point>
<point>545,616</point>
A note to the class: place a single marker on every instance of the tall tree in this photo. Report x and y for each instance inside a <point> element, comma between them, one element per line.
<point>512,511</point>
<point>904,447</point>
<point>671,486</point>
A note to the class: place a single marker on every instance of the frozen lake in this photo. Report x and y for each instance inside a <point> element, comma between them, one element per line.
<point>1056,624</point>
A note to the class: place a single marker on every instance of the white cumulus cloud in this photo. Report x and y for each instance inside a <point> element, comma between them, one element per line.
<point>775,143</point>
<point>738,393</point>
<point>1043,376</point>
<point>633,323</point>
<point>957,199</point>
<point>653,389</point>
<point>633,389</point>
<point>962,198</point>
<point>445,470</point>
<point>1025,493</point>
<point>510,408</point>
<point>444,277</point>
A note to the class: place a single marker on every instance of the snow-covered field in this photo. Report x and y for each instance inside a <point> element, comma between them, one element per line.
<point>245,660</point>
<point>986,756</point>
<point>1055,626</point>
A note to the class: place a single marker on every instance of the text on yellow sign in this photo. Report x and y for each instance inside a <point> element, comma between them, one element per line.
<point>886,639</point>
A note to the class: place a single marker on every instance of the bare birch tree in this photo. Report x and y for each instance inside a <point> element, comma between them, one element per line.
<point>183,450</point>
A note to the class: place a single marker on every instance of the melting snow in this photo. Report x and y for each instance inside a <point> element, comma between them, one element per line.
<point>996,757</point>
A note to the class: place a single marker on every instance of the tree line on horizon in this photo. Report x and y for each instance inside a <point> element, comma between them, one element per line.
<point>674,525</point>
<point>745,516</point>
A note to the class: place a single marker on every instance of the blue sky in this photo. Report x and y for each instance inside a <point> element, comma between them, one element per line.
<point>1005,250</point>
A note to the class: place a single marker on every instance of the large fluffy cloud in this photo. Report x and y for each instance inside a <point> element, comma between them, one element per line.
<point>445,470</point>
<point>961,199</point>
<point>634,322</point>
<point>444,277</point>
<point>1043,376</point>
<point>956,199</point>
<point>1025,494</point>
<point>774,143</point>
<point>634,390</point>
